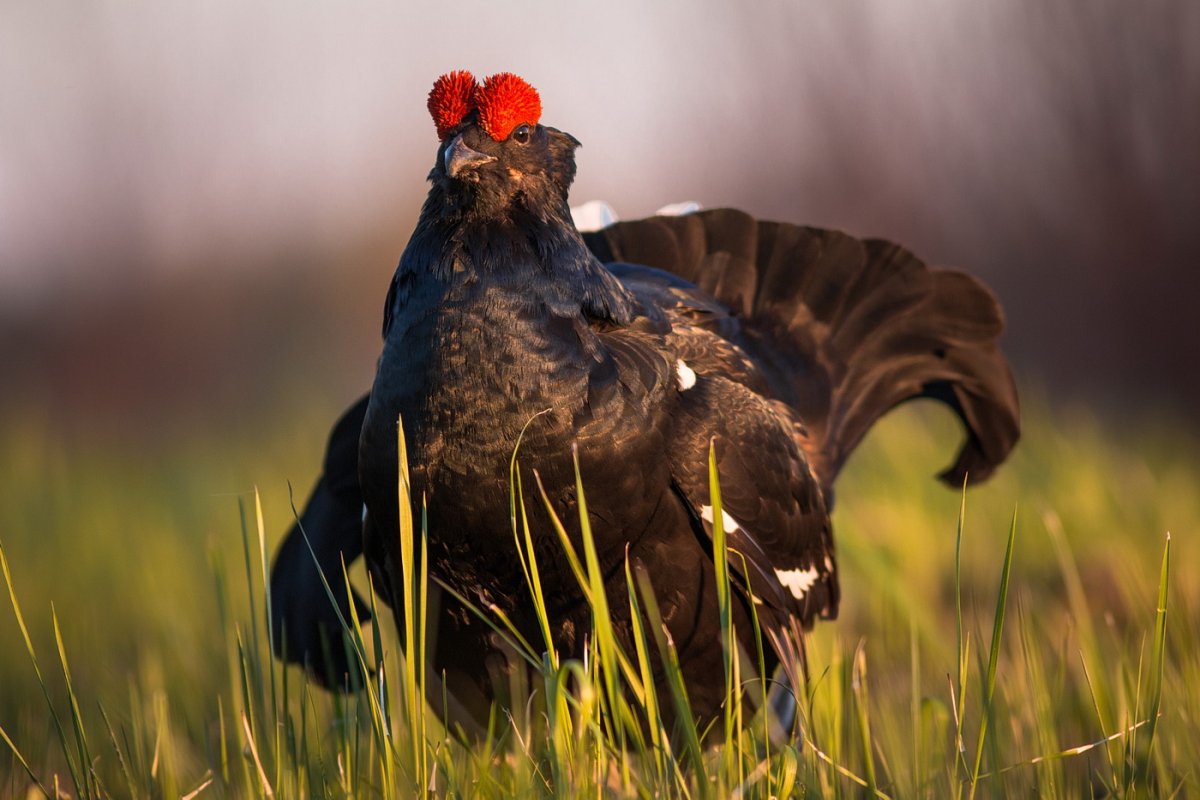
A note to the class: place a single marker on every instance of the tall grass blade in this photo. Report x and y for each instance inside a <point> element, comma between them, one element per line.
<point>584,581</point>
<point>1157,667</point>
<point>414,694</point>
<point>918,756</point>
<point>762,676</point>
<point>375,696</point>
<point>733,691</point>
<point>523,537</point>
<point>787,766</point>
<point>985,721</point>
<point>642,650</point>
<point>862,712</point>
<point>961,645</point>
<point>423,627</point>
<point>347,628</point>
<point>21,760</point>
<point>81,743</point>
<point>495,618</point>
<point>269,665</point>
<point>80,786</point>
<point>264,783</point>
<point>1048,775</point>
<point>254,674</point>
<point>1070,752</point>
<point>605,637</point>
<point>194,793</point>
<point>685,722</point>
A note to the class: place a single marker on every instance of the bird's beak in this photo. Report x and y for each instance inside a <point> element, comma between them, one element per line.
<point>459,156</point>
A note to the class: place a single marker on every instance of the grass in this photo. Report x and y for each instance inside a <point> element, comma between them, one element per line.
<point>1037,636</point>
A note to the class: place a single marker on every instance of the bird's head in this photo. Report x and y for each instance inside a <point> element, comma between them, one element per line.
<point>495,158</point>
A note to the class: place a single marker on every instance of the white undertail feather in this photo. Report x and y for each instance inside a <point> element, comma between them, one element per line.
<point>797,581</point>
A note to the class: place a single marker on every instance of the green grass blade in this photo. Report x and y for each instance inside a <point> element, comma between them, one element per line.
<point>352,635</point>
<point>685,725</point>
<point>961,645</point>
<point>583,580</point>
<point>601,616</point>
<point>346,626</point>
<point>414,692</point>
<point>787,768</point>
<point>24,764</point>
<point>255,674</point>
<point>994,655</point>
<point>422,642</point>
<point>1070,752</point>
<point>659,741</point>
<point>918,759</point>
<point>762,676</point>
<point>523,537</point>
<point>1157,667</point>
<point>720,546</point>
<point>81,743</point>
<point>858,686</point>
<point>270,666</point>
<point>565,540</point>
<point>380,726</point>
<point>37,671</point>
<point>505,628</point>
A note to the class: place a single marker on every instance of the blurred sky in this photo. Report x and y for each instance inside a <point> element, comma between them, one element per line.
<point>192,191</point>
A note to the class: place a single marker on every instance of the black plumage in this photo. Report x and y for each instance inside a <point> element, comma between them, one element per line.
<point>638,346</point>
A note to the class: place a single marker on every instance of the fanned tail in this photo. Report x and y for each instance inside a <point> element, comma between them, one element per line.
<point>843,329</point>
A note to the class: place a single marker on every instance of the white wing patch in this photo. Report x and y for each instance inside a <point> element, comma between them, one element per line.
<point>729,523</point>
<point>685,374</point>
<point>797,581</point>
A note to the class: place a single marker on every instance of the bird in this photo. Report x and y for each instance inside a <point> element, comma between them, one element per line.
<point>626,356</point>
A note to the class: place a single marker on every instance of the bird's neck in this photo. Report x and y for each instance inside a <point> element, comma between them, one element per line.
<point>534,245</point>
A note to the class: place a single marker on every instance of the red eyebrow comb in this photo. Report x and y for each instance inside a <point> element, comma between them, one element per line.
<point>452,98</point>
<point>506,101</point>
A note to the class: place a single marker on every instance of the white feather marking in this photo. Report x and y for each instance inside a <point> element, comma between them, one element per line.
<point>593,215</point>
<point>730,524</point>
<point>685,374</point>
<point>797,581</point>
<point>828,563</point>
<point>679,209</point>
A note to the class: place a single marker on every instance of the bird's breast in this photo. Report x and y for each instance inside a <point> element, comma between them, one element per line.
<point>469,377</point>
<point>472,378</point>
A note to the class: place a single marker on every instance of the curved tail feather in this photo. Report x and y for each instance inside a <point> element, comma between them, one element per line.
<point>843,329</point>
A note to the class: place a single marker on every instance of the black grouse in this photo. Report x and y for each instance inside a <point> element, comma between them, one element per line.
<point>636,347</point>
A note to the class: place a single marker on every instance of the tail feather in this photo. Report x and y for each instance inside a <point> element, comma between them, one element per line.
<point>843,329</point>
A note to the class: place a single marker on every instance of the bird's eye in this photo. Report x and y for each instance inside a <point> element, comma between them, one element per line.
<point>521,134</point>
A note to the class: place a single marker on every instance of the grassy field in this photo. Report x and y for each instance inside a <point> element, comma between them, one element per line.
<point>140,572</point>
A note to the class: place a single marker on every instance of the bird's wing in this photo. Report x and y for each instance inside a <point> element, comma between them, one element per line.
<point>842,329</point>
<point>776,516</point>
<point>773,512</point>
<point>777,528</point>
<point>703,333</point>
<point>776,523</point>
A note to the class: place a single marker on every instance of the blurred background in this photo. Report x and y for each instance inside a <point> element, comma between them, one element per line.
<point>201,204</point>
